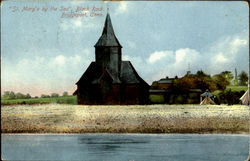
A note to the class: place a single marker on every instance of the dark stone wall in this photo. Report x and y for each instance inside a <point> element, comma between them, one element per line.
<point>109,57</point>
<point>115,60</point>
<point>119,95</point>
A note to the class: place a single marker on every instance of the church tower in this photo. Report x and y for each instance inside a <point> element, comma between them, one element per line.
<point>108,50</point>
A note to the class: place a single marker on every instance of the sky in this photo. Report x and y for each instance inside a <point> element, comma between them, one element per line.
<point>44,50</point>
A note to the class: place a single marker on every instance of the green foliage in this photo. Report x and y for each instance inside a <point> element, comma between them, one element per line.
<point>199,81</point>
<point>65,94</point>
<point>243,77</point>
<point>237,88</point>
<point>60,100</point>
<point>156,98</point>
<point>180,99</point>
<point>221,81</point>
<point>230,97</point>
<point>201,74</point>
<point>228,75</point>
<point>9,95</point>
<point>54,95</point>
<point>45,96</point>
<point>154,85</point>
<point>12,95</point>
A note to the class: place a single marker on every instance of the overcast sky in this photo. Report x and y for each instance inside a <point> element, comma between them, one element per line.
<point>43,52</point>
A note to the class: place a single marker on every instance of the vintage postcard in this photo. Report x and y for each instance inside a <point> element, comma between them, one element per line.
<point>125,80</point>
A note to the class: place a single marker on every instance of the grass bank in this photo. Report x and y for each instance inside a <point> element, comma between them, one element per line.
<point>60,100</point>
<point>232,88</point>
<point>55,118</point>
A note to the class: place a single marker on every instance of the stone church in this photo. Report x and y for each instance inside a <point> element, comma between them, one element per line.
<point>109,80</point>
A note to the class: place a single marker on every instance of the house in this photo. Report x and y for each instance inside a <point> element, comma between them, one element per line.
<point>161,89</point>
<point>164,91</point>
<point>165,83</point>
<point>109,80</point>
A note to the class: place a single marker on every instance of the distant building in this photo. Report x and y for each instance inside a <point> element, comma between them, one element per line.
<point>162,91</point>
<point>165,83</point>
<point>109,80</point>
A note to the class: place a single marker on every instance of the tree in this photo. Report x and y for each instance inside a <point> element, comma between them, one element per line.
<point>54,95</point>
<point>201,74</point>
<point>20,95</point>
<point>45,96</point>
<point>65,94</point>
<point>201,81</point>
<point>221,81</point>
<point>243,77</point>
<point>9,95</point>
<point>27,95</point>
<point>228,75</point>
<point>154,85</point>
<point>6,94</point>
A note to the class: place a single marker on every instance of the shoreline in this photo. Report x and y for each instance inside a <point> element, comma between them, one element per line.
<point>137,119</point>
<point>73,134</point>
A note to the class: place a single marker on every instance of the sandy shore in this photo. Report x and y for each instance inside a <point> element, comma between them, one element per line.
<point>55,118</point>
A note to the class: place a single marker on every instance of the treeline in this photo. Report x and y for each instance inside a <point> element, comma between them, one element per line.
<point>13,95</point>
<point>187,89</point>
<point>203,81</point>
<point>65,94</point>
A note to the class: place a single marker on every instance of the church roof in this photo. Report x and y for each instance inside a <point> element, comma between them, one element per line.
<point>108,37</point>
<point>128,75</point>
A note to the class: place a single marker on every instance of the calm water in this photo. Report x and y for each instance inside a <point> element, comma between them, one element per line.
<point>122,147</point>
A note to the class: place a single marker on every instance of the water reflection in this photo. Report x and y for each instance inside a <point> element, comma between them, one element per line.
<point>107,143</point>
<point>116,147</point>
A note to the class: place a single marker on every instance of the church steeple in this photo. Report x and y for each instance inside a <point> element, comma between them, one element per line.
<point>108,37</point>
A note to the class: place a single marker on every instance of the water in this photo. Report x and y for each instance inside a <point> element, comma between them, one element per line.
<point>125,147</point>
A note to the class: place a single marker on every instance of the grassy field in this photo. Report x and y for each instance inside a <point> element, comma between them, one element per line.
<point>237,88</point>
<point>61,100</point>
<point>233,88</point>
<point>58,118</point>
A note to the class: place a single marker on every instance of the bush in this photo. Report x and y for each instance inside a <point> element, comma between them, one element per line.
<point>45,96</point>
<point>156,99</point>
<point>54,95</point>
<point>230,97</point>
<point>65,94</point>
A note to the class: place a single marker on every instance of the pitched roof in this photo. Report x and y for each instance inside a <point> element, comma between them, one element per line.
<point>245,98</point>
<point>207,101</point>
<point>206,94</point>
<point>108,37</point>
<point>128,75</point>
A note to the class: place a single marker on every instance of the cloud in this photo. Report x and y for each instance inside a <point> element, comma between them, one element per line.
<point>123,6</point>
<point>41,74</point>
<point>220,58</point>
<point>60,60</point>
<point>156,56</point>
<point>237,43</point>
<point>224,54</point>
<point>77,23</point>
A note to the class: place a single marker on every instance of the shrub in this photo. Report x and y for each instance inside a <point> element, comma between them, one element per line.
<point>230,97</point>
